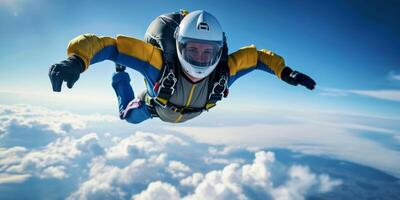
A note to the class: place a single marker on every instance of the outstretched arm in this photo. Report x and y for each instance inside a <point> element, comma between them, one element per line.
<point>249,58</point>
<point>88,49</point>
<point>123,50</point>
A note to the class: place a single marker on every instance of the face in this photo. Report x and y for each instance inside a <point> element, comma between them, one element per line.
<point>200,53</point>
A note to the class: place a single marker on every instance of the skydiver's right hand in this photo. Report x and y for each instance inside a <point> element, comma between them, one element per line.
<point>297,78</point>
<point>67,70</point>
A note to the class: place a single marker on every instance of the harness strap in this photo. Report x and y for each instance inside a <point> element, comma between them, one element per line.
<point>219,90</point>
<point>219,86</point>
<point>165,88</point>
<point>151,102</point>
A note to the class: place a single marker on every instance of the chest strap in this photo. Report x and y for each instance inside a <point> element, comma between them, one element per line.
<point>166,88</point>
<point>219,89</point>
<point>151,103</point>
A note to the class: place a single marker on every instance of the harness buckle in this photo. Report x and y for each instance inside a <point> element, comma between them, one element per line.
<point>150,105</point>
<point>219,89</point>
<point>160,103</point>
<point>165,83</point>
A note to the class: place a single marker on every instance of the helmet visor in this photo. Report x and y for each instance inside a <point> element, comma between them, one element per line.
<point>200,53</point>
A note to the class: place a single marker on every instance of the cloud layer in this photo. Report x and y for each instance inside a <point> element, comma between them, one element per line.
<point>154,175</point>
<point>335,135</point>
<point>139,166</point>
<point>232,181</point>
<point>28,126</point>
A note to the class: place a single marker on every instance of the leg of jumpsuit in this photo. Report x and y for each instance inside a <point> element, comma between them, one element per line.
<point>130,109</point>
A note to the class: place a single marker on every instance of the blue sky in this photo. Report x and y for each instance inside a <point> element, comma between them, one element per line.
<point>75,137</point>
<point>345,45</point>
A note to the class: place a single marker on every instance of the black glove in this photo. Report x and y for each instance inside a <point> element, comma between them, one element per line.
<point>67,70</point>
<point>295,78</point>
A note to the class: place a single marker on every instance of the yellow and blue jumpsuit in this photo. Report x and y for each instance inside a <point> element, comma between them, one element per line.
<point>148,60</point>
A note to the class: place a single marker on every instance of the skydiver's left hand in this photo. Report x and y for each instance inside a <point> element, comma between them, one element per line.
<point>297,78</point>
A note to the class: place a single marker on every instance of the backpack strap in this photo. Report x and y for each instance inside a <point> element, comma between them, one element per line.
<point>219,87</point>
<point>165,87</point>
<point>161,34</point>
<point>217,90</point>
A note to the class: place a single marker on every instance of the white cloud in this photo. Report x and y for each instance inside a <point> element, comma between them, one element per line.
<point>220,184</point>
<point>333,92</point>
<point>158,191</point>
<point>224,151</point>
<point>54,172</point>
<point>193,180</point>
<point>258,173</point>
<point>142,144</point>
<point>393,95</point>
<point>327,184</point>
<point>57,121</point>
<point>211,160</point>
<point>107,181</point>
<point>149,163</point>
<point>218,154</point>
<point>178,166</point>
<point>11,156</point>
<point>177,169</point>
<point>89,144</point>
<point>234,181</point>
<point>384,94</point>
<point>394,76</point>
<point>32,126</point>
<point>300,181</point>
<point>51,161</point>
<point>13,178</point>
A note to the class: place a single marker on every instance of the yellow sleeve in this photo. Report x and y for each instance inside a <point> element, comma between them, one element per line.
<point>92,49</point>
<point>86,46</point>
<point>272,60</point>
<point>140,50</point>
<point>249,58</point>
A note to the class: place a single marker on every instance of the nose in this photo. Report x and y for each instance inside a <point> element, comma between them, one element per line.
<point>201,57</point>
<point>198,56</point>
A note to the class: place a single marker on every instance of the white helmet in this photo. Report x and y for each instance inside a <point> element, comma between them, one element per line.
<point>199,42</point>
